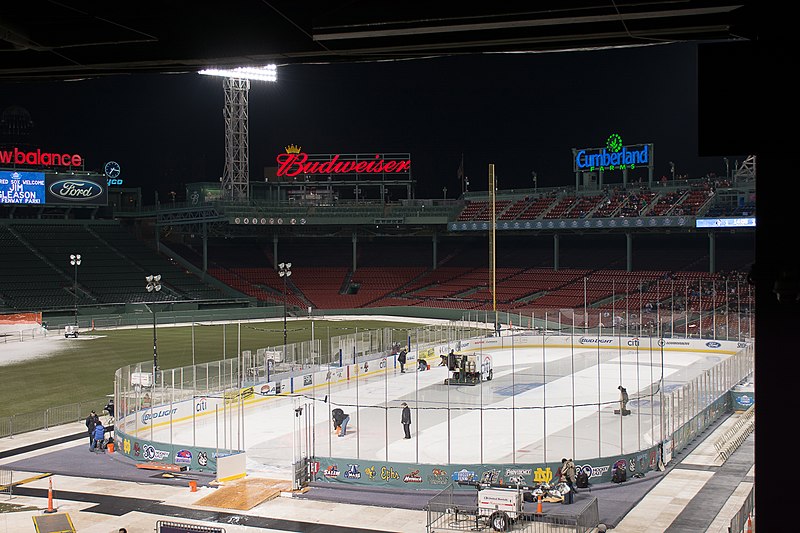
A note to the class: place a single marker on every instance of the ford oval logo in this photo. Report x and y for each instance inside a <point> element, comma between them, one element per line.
<point>713,344</point>
<point>76,190</point>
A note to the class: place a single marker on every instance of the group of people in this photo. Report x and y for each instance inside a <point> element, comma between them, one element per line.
<point>97,432</point>
<point>402,357</point>
<point>96,429</point>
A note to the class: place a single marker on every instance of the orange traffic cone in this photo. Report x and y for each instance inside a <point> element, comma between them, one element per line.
<point>749,524</point>
<point>539,505</point>
<point>50,508</point>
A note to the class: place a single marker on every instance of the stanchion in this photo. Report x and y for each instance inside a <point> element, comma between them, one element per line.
<point>50,508</point>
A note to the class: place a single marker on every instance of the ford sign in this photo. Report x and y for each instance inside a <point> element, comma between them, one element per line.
<point>713,344</point>
<point>76,190</point>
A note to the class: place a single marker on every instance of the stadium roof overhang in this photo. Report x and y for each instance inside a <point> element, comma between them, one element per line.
<point>72,39</point>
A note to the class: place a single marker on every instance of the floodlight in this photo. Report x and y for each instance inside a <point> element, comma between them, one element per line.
<point>153,283</point>
<point>266,73</point>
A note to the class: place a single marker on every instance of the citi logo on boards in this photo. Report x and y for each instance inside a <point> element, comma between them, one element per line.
<point>76,190</point>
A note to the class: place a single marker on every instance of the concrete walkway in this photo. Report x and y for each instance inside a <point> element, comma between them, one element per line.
<point>698,493</point>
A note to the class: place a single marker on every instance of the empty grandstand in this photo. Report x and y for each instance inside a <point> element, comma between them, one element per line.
<point>561,248</point>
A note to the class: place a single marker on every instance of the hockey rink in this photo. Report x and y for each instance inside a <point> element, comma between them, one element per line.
<point>540,405</point>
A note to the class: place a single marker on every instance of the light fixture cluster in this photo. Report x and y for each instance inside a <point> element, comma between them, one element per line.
<point>153,283</point>
<point>266,73</point>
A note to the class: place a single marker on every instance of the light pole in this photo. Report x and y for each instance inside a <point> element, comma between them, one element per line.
<point>75,261</point>
<point>154,285</point>
<point>284,271</point>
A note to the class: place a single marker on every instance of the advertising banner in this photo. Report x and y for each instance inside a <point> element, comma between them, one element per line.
<point>385,474</point>
<point>62,189</point>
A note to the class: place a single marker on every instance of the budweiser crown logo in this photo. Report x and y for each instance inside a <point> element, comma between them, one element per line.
<point>293,149</point>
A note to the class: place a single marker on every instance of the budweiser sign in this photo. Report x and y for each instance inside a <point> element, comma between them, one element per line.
<point>298,163</point>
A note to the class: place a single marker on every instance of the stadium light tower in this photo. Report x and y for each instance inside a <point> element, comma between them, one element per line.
<point>75,261</point>
<point>154,285</point>
<point>236,177</point>
<point>284,271</point>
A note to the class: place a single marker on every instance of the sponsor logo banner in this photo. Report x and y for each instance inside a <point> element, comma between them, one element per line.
<point>76,190</point>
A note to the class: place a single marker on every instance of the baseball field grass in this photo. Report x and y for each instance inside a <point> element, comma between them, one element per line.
<point>56,371</point>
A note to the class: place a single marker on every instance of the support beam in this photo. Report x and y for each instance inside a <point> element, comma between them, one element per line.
<point>556,243</point>
<point>275,252</point>
<point>629,252</point>
<point>712,252</point>
<point>355,242</point>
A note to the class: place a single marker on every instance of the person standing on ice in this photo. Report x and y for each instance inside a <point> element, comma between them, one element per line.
<point>401,358</point>
<point>623,401</point>
<point>405,419</point>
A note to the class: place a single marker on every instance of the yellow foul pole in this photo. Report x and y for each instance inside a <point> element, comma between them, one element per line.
<point>492,256</point>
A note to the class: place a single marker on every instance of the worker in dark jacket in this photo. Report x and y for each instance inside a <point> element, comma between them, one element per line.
<point>110,407</point>
<point>90,423</point>
<point>405,419</point>
<point>340,420</point>
<point>401,358</point>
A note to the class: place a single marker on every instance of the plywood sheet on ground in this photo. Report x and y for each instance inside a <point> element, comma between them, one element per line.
<point>244,494</point>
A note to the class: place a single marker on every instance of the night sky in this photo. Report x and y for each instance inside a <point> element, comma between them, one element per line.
<point>522,112</point>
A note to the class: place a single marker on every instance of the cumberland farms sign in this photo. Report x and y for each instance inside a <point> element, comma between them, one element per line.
<point>613,156</point>
<point>297,163</point>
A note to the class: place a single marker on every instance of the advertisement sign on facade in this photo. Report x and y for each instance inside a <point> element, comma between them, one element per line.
<point>76,190</point>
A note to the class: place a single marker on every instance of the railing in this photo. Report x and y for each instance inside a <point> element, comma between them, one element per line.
<point>23,335</point>
<point>730,441</point>
<point>53,416</point>
<point>744,517</point>
<point>6,481</point>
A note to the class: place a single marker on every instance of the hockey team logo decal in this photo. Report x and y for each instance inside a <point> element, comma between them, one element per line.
<point>150,453</point>
<point>352,472</point>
